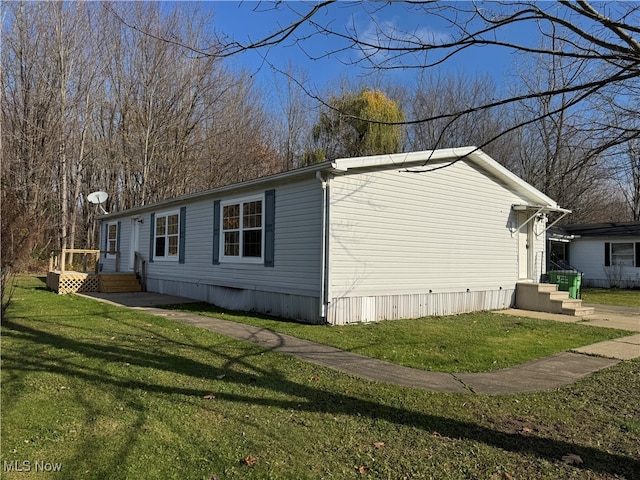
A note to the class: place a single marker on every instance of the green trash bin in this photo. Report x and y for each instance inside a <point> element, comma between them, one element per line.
<point>567,281</point>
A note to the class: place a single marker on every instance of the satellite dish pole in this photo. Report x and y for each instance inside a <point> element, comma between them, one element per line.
<point>98,198</point>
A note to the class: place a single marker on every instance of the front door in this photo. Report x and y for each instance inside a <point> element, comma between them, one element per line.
<point>134,244</point>
<point>525,247</point>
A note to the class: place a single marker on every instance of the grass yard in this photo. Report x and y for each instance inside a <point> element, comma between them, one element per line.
<point>102,392</point>
<point>474,342</point>
<point>613,296</point>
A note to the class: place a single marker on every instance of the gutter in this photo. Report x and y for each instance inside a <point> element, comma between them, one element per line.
<point>323,247</point>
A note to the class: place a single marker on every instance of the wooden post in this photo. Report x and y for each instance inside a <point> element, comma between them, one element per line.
<point>51,263</point>
<point>63,260</point>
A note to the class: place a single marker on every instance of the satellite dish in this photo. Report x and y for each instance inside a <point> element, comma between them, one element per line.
<point>98,198</point>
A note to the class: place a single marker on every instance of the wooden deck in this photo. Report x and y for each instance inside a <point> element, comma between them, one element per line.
<point>72,282</point>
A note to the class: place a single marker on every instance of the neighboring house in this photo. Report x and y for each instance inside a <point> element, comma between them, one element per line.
<point>608,254</point>
<point>350,240</point>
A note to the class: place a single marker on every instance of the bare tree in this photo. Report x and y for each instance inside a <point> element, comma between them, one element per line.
<point>437,95</point>
<point>627,177</point>
<point>295,121</point>
<point>31,134</point>
<point>592,50</point>
<point>88,103</point>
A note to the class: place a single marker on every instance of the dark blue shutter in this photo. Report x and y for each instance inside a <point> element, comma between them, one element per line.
<point>269,227</point>
<point>637,264</point>
<point>152,240</point>
<point>118,237</point>
<point>105,233</point>
<point>216,233</point>
<point>607,254</point>
<point>181,242</point>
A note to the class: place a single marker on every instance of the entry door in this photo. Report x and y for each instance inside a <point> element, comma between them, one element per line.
<point>135,242</point>
<point>525,247</point>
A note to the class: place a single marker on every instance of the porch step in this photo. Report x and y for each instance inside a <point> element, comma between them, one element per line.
<point>545,297</point>
<point>119,282</point>
<point>579,311</point>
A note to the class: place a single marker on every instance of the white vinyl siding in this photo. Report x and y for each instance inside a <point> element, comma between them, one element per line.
<point>394,232</point>
<point>587,255</point>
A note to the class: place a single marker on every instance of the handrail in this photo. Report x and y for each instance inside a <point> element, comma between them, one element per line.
<point>142,273</point>
<point>562,265</point>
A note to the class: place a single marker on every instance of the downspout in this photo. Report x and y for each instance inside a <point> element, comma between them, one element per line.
<point>323,248</point>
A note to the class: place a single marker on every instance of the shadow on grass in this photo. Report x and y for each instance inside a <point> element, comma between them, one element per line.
<point>318,400</point>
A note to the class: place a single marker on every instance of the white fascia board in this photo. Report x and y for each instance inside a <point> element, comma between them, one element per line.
<point>471,153</point>
<point>489,164</point>
<point>402,160</point>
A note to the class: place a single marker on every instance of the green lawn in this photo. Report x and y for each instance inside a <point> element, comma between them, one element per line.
<point>614,296</point>
<point>474,342</point>
<point>112,393</point>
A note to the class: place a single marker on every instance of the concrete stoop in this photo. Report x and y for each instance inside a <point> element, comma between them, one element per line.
<point>545,297</point>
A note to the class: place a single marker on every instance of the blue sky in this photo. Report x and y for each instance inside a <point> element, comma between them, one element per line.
<point>251,21</point>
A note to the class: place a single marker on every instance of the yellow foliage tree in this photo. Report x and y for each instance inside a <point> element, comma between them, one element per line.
<point>366,123</point>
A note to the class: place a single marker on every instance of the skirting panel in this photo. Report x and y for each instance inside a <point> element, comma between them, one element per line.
<point>295,307</point>
<point>347,310</point>
<point>72,282</point>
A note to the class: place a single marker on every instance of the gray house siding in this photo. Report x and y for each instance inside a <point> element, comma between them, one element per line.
<point>290,288</point>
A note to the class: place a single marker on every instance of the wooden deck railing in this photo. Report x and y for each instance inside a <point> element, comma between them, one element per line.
<point>90,260</point>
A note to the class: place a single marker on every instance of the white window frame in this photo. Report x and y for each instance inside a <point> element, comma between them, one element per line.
<point>166,257</point>
<point>111,253</point>
<point>612,258</point>
<point>241,201</point>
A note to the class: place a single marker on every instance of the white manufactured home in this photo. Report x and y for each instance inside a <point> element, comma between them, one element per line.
<point>350,240</point>
<point>608,254</point>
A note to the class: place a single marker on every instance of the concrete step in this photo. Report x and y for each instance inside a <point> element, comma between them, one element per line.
<point>548,287</point>
<point>578,311</point>
<point>558,295</point>
<point>545,297</point>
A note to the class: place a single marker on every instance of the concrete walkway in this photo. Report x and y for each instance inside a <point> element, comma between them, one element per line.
<point>541,374</point>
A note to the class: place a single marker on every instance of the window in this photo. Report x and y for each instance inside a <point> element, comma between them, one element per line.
<point>167,234</point>
<point>622,254</point>
<point>242,229</point>
<point>112,239</point>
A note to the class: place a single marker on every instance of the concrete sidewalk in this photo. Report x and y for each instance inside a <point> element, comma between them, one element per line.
<point>541,374</point>
<point>606,316</point>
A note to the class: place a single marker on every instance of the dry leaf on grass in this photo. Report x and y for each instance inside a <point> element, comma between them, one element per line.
<point>211,396</point>
<point>250,460</point>
<point>378,444</point>
<point>363,470</point>
<point>572,459</point>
